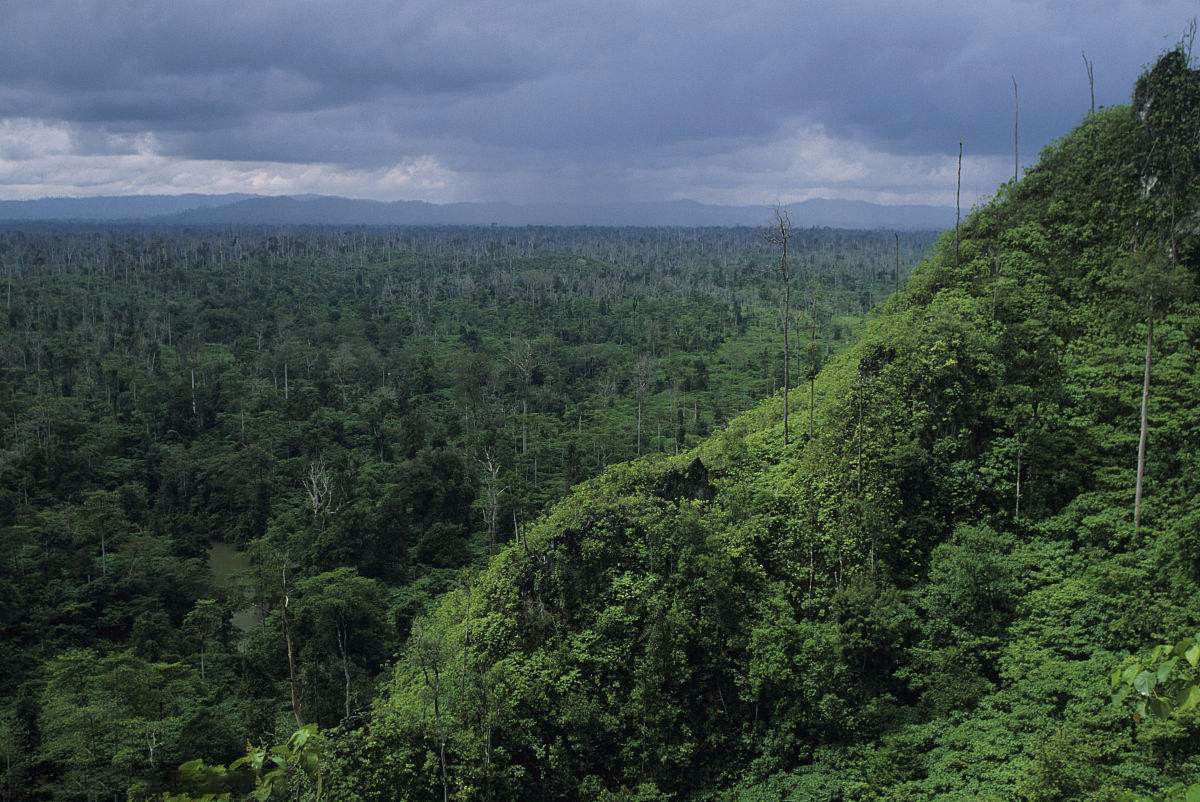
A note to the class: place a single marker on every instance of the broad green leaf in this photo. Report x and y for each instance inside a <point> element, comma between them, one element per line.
<point>1191,700</point>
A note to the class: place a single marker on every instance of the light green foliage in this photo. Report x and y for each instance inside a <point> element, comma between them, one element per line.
<point>288,771</point>
<point>324,406</point>
<point>922,596</point>
<point>112,724</point>
<point>871,613</point>
<point>1162,681</point>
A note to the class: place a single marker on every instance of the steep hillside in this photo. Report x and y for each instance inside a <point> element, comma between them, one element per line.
<point>921,596</point>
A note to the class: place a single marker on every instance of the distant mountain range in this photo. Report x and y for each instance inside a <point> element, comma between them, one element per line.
<point>206,210</point>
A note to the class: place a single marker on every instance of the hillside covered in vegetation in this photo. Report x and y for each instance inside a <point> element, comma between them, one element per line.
<point>922,595</point>
<point>199,427</point>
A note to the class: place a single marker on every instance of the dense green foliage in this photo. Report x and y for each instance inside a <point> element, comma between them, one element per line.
<point>936,590</point>
<point>924,596</point>
<point>237,464</point>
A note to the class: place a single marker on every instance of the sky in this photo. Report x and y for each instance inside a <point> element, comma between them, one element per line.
<point>742,102</point>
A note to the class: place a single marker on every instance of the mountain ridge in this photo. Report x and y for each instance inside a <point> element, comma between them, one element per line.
<point>240,209</point>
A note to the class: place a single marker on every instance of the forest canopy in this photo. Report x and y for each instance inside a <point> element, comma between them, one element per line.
<point>514,514</point>
<point>238,463</point>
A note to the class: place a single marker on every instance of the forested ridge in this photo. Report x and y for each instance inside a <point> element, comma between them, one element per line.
<point>930,593</point>
<point>199,425</point>
<point>932,590</point>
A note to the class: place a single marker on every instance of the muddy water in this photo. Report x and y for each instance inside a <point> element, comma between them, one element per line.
<point>226,561</point>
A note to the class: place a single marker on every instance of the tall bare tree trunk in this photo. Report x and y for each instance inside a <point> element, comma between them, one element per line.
<point>958,206</point>
<point>779,234</point>
<point>1141,462</point>
<point>787,359</point>
<point>1089,66</point>
<point>896,271</point>
<point>812,369</point>
<point>1017,505</point>
<point>291,655</point>
<point>341,638</point>
<point>436,686</point>
<point>1016,129</point>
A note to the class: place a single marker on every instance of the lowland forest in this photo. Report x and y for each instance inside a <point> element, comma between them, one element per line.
<point>587,513</point>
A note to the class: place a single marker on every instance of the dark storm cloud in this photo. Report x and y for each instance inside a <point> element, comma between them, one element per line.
<point>554,92</point>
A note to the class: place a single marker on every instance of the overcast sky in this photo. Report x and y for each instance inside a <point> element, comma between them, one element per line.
<point>738,102</point>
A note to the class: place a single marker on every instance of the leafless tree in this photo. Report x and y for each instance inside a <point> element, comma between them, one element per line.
<point>780,233</point>
<point>319,488</point>
<point>643,372</point>
<point>1091,76</point>
<point>523,360</point>
<point>287,637</point>
<point>896,269</point>
<point>491,493</point>
<point>958,207</point>
<point>1159,283</point>
<point>1016,128</point>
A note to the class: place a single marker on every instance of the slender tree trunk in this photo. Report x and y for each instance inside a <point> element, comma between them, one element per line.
<point>812,405</point>
<point>779,234</point>
<point>639,426</point>
<point>1017,505</point>
<point>436,687</point>
<point>291,655</point>
<point>341,637</point>
<point>1141,462</point>
<point>787,360</point>
<point>896,271</point>
<point>1088,65</point>
<point>1016,128</point>
<point>958,206</point>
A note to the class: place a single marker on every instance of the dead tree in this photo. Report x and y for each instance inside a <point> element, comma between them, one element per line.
<point>523,361</point>
<point>1016,128</point>
<point>319,488</point>
<point>896,270</point>
<point>287,637</point>
<point>491,493</point>
<point>780,233</point>
<point>1159,283</point>
<point>1091,75</point>
<point>1143,431</point>
<point>958,208</point>
<point>642,373</point>
<point>1017,503</point>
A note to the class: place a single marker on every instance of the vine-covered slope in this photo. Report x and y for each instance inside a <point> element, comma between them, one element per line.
<point>922,595</point>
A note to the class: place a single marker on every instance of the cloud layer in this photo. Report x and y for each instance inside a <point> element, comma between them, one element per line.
<point>551,100</point>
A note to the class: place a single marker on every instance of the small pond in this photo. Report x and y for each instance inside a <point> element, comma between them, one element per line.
<point>226,562</point>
